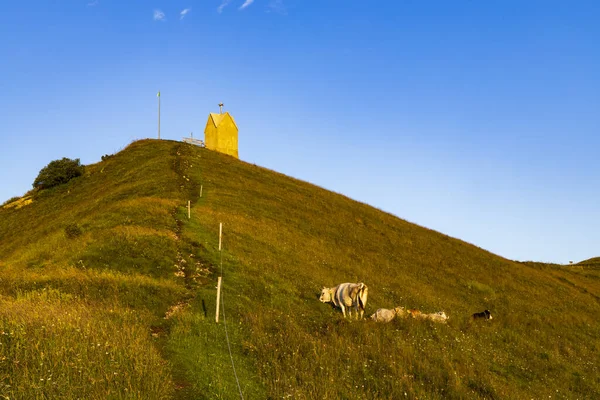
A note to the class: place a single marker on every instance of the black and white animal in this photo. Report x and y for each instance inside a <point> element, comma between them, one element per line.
<point>482,315</point>
<point>347,295</point>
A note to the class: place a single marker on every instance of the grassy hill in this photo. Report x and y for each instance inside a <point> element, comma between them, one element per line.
<point>107,289</point>
<point>592,262</point>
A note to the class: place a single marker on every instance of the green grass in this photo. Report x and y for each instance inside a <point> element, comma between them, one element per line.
<point>139,256</point>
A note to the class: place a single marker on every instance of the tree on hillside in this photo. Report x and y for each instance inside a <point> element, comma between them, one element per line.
<point>58,172</point>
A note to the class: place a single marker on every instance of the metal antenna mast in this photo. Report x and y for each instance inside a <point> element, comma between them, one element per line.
<point>158,95</point>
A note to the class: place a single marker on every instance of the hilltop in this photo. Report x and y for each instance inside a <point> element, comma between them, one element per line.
<point>125,305</point>
<point>592,262</point>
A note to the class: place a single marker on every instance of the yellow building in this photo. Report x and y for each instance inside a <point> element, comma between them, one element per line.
<point>221,134</point>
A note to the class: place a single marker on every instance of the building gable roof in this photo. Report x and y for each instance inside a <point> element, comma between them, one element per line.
<point>217,118</point>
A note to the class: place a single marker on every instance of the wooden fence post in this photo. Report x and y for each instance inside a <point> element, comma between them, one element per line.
<point>218,299</point>
<point>220,277</point>
<point>220,234</point>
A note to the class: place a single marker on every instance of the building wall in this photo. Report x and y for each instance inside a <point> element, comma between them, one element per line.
<point>210,135</point>
<point>223,138</point>
<point>228,137</point>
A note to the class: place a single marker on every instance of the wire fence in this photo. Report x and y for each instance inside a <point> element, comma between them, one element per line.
<point>227,333</point>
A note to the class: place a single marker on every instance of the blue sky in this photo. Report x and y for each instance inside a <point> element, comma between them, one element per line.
<point>479,119</point>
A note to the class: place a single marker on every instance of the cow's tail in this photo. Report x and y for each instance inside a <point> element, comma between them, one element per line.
<point>363,292</point>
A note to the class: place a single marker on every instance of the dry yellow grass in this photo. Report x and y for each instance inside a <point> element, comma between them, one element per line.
<point>53,345</point>
<point>19,203</point>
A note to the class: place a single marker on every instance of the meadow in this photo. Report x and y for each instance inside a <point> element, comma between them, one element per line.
<point>125,308</point>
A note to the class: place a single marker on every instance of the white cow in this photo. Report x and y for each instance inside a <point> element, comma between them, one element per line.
<point>385,315</point>
<point>347,295</point>
<point>439,316</point>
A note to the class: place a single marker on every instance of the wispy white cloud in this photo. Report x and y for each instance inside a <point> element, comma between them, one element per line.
<point>246,4</point>
<point>183,13</point>
<point>224,4</point>
<point>92,3</point>
<point>159,15</point>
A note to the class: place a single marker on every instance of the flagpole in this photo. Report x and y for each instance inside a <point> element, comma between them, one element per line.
<point>158,95</point>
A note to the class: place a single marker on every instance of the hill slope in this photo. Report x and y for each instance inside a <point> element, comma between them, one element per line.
<point>284,239</point>
<point>592,262</point>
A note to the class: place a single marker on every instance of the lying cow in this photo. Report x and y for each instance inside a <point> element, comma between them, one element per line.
<point>347,295</point>
<point>486,314</point>
<point>385,315</point>
<point>439,316</point>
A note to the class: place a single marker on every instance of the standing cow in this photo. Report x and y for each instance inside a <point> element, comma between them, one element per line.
<point>347,295</point>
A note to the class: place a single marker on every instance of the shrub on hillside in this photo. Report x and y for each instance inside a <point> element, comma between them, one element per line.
<point>72,231</point>
<point>58,172</point>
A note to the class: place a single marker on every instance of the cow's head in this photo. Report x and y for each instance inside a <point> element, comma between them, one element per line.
<point>325,296</point>
<point>400,311</point>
